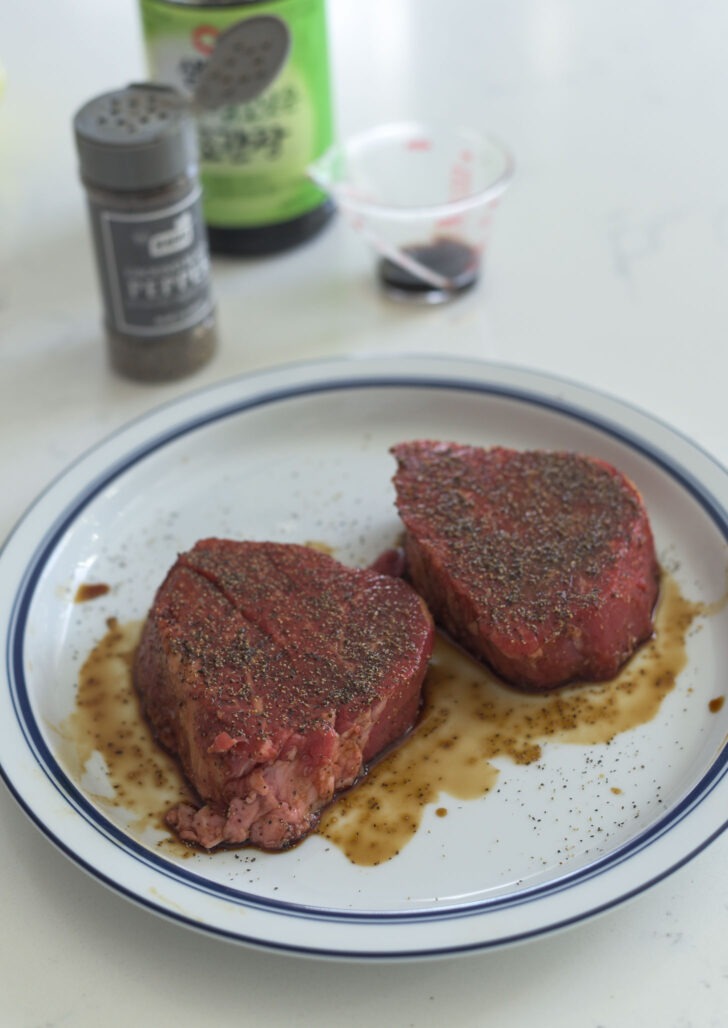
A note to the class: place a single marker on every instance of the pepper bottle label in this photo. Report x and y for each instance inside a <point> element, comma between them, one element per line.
<point>253,155</point>
<point>154,266</point>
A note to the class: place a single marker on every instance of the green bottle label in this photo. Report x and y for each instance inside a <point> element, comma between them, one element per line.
<point>253,156</point>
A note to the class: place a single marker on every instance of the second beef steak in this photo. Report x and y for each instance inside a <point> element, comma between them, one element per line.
<point>275,674</point>
<point>540,563</point>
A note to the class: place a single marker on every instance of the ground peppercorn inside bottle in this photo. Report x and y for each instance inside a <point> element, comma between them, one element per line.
<point>137,148</point>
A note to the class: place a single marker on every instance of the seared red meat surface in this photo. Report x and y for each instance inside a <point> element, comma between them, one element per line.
<point>541,564</point>
<point>275,674</point>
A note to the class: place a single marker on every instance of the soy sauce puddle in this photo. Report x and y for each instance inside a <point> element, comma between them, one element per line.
<point>469,719</point>
<point>134,775</point>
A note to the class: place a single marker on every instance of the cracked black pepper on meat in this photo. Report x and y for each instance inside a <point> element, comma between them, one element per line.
<point>542,563</point>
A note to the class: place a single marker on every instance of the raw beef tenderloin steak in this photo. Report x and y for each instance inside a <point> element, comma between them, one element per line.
<point>275,674</point>
<point>541,564</point>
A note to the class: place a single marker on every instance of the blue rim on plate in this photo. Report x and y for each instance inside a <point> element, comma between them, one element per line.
<point>683,463</point>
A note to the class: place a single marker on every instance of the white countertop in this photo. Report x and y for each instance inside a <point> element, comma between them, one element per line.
<point>608,266</point>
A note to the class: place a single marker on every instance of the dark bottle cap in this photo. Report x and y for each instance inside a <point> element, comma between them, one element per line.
<point>139,137</point>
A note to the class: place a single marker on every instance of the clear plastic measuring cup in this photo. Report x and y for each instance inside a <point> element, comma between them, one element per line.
<point>423,197</point>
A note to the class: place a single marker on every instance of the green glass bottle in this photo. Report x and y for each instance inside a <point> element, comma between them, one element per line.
<point>257,197</point>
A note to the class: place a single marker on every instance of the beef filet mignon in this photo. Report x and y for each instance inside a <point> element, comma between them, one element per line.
<point>540,563</point>
<point>275,674</point>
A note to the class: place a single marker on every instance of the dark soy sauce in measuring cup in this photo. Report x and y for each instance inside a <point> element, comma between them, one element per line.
<point>455,261</point>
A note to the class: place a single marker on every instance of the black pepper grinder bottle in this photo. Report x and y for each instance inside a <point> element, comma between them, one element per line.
<point>139,164</point>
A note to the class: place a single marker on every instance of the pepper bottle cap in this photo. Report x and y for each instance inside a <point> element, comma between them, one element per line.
<point>137,137</point>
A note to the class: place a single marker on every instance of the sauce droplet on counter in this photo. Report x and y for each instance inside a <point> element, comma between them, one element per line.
<point>716,704</point>
<point>470,717</point>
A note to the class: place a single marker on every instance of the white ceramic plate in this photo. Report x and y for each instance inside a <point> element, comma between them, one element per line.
<point>301,453</point>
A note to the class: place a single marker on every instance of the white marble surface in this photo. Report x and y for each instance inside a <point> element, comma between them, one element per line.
<point>608,265</point>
